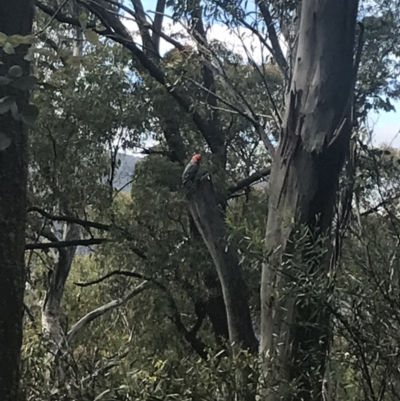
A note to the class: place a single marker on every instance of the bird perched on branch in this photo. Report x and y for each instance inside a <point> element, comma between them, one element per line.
<point>191,169</point>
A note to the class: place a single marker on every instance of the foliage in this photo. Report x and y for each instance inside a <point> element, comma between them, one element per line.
<point>93,107</point>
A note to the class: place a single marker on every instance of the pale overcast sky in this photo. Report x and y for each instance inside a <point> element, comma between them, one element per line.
<point>386,126</point>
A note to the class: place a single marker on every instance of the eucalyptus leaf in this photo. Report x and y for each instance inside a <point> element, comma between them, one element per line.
<point>15,71</point>
<point>92,37</point>
<point>29,40</point>
<point>83,20</point>
<point>14,111</point>
<point>8,48</point>
<point>5,80</point>
<point>5,104</point>
<point>29,114</point>
<point>3,38</point>
<point>5,141</point>
<point>74,60</point>
<point>30,55</point>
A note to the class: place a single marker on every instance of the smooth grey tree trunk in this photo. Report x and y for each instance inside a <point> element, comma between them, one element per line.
<point>52,304</point>
<point>209,221</point>
<point>315,136</point>
<point>15,18</point>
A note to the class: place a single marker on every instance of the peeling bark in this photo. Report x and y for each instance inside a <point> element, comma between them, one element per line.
<point>210,223</point>
<point>15,18</point>
<point>295,331</point>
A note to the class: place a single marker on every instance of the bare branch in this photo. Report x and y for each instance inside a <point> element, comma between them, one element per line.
<point>66,244</point>
<point>158,21</point>
<point>195,343</point>
<point>273,37</point>
<point>119,273</point>
<point>100,311</point>
<point>69,219</point>
<point>267,142</point>
<point>257,176</point>
<point>144,27</point>
<point>59,16</point>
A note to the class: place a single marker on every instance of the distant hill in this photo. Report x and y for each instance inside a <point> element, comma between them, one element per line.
<point>122,180</point>
<point>125,171</point>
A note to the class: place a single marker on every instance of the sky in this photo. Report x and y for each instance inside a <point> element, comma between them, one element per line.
<point>385,126</point>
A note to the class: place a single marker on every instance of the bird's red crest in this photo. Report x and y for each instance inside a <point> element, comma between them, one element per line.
<point>196,158</point>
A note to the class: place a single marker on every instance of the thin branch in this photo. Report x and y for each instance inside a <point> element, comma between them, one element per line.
<point>376,208</point>
<point>257,176</point>
<point>66,244</point>
<point>144,27</point>
<point>157,24</point>
<point>119,273</point>
<point>52,17</point>
<point>272,100</point>
<point>222,100</point>
<point>83,223</point>
<point>118,33</point>
<point>273,37</point>
<point>267,142</point>
<point>59,16</point>
<point>69,219</point>
<point>195,343</point>
<point>100,311</point>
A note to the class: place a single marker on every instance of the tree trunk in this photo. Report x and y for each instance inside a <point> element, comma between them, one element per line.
<point>209,221</point>
<point>52,304</point>
<point>315,137</point>
<point>15,18</point>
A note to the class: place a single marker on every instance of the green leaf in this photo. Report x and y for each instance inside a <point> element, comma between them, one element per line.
<point>25,83</point>
<point>3,38</point>
<point>29,114</point>
<point>92,37</point>
<point>30,40</point>
<point>15,71</point>
<point>5,104</point>
<point>5,141</point>
<point>5,80</point>
<point>64,53</point>
<point>16,40</point>
<point>8,48</point>
<point>30,54</point>
<point>100,28</point>
<point>14,111</point>
<point>83,20</point>
<point>74,60</point>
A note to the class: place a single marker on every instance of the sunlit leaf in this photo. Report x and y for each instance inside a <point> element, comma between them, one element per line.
<point>83,20</point>
<point>8,48</point>
<point>92,37</point>
<point>3,38</point>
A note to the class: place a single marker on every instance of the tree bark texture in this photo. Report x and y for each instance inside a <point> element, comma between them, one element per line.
<point>314,140</point>
<point>55,290</point>
<point>15,18</point>
<point>211,225</point>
